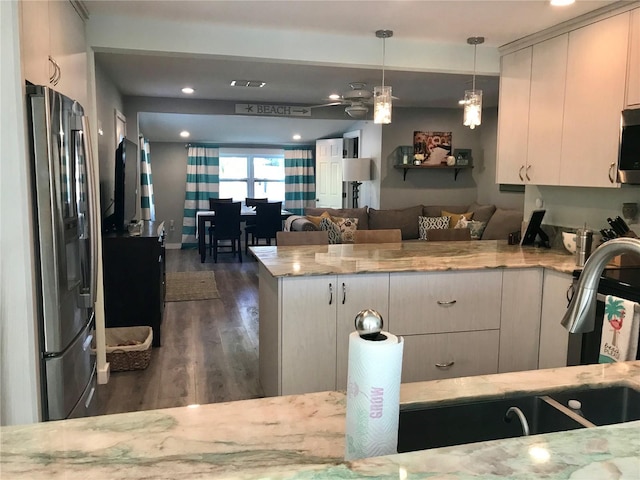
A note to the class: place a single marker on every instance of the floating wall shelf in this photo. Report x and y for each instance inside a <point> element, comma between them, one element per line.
<point>456,168</point>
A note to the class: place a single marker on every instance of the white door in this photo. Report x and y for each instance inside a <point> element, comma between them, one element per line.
<point>329,173</point>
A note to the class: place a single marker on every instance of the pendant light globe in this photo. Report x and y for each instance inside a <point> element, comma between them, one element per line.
<point>382,100</point>
<point>473,98</point>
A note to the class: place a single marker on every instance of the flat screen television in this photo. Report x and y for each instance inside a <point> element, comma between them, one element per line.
<point>125,187</point>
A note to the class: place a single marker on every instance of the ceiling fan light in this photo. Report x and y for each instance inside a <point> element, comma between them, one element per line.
<point>356,111</point>
<point>472,108</point>
<point>382,104</point>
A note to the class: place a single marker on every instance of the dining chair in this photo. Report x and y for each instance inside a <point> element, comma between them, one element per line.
<point>306,237</point>
<point>227,227</point>
<point>448,234</point>
<point>252,202</point>
<point>268,222</point>
<point>213,202</point>
<point>391,235</point>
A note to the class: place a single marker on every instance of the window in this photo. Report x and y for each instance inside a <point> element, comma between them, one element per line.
<point>252,173</point>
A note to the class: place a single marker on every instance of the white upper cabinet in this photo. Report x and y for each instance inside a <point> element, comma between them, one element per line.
<point>548,72</point>
<point>513,118</point>
<point>633,73</point>
<point>595,90</point>
<point>560,104</point>
<point>54,49</point>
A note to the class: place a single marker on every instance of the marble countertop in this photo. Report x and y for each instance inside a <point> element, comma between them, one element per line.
<point>408,257</point>
<point>302,437</point>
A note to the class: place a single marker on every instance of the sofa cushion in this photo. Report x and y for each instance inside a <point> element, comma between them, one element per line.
<point>431,223</point>
<point>436,210</point>
<point>482,213</point>
<point>359,213</point>
<point>502,223</point>
<point>476,229</point>
<point>347,227</point>
<point>455,217</point>
<point>406,219</point>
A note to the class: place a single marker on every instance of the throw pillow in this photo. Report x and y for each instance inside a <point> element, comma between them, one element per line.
<point>455,217</point>
<point>428,223</point>
<point>347,227</point>
<point>332,229</point>
<point>476,229</point>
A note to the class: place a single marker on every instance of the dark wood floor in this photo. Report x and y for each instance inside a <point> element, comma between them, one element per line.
<point>210,347</point>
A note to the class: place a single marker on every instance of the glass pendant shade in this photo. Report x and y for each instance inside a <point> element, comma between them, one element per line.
<point>382,104</point>
<point>472,108</point>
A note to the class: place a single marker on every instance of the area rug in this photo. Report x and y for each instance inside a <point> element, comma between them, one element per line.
<point>185,286</point>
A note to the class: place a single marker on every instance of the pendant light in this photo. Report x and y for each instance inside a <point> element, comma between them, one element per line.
<point>473,98</point>
<point>382,94</point>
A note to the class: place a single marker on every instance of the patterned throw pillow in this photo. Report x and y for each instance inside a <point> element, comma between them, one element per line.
<point>333,230</point>
<point>347,227</point>
<point>455,217</point>
<point>476,229</point>
<point>427,223</point>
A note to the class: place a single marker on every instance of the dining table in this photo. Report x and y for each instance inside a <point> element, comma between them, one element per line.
<point>204,216</point>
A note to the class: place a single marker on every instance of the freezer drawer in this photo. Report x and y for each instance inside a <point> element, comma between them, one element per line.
<point>87,406</point>
<point>68,374</point>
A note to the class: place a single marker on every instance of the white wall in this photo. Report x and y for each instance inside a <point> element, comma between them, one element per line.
<point>573,207</point>
<point>19,367</point>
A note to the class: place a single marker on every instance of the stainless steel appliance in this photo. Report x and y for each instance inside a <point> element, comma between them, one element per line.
<point>63,204</point>
<point>623,282</point>
<point>629,152</point>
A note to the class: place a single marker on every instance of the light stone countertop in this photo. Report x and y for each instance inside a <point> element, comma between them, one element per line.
<point>302,437</point>
<point>408,257</point>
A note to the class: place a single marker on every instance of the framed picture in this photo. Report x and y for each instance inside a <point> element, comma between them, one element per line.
<point>435,146</point>
<point>463,157</point>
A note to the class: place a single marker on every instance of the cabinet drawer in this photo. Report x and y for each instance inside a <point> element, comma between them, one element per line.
<point>466,353</point>
<point>445,302</point>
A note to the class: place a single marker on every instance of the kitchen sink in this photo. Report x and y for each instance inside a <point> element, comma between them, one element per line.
<point>604,406</point>
<point>441,426</point>
<point>422,427</point>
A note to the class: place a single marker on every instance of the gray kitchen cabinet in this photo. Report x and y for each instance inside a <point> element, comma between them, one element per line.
<point>554,338</point>
<point>520,319</point>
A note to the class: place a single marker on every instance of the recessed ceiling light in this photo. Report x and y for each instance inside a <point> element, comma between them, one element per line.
<point>188,90</point>
<point>561,3</point>
<point>184,134</point>
<point>297,136</point>
<point>334,96</point>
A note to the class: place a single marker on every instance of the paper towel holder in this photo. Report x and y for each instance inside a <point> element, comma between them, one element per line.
<point>368,324</point>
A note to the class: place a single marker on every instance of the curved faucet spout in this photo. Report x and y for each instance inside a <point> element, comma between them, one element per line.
<point>520,414</point>
<point>580,316</point>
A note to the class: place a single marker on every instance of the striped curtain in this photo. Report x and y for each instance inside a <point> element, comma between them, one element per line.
<point>299,179</point>
<point>203,165</point>
<point>147,202</point>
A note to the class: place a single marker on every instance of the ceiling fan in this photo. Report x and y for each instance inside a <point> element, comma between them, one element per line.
<point>355,100</point>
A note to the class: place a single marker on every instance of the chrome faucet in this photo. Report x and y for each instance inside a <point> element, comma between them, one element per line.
<point>523,420</point>
<point>581,313</point>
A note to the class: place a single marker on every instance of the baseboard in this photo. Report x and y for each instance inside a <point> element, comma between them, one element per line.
<point>173,246</point>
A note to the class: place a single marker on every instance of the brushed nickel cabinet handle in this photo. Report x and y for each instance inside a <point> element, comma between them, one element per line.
<point>612,177</point>
<point>344,293</point>
<point>330,294</point>
<point>450,302</point>
<point>520,173</point>
<point>445,365</point>
<point>526,173</point>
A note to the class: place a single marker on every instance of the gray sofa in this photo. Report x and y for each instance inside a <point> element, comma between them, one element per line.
<point>499,222</point>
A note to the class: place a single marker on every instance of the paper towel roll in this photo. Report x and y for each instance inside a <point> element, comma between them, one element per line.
<point>373,396</point>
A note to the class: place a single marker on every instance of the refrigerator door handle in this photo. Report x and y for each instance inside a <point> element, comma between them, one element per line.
<point>93,211</point>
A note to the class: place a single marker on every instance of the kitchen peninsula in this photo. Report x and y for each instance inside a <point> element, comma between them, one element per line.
<point>463,308</point>
<point>302,437</point>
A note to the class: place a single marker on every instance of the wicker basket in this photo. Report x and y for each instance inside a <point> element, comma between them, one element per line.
<point>123,357</point>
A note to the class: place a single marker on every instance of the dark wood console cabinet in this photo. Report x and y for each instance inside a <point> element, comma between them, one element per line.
<point>134,279</point>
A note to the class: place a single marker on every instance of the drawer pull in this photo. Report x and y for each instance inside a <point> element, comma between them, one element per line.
<point>450,302</point>
<point>445,365</point>
<point>520,173</point>
<point>344,293</point>
<point>330,294</point>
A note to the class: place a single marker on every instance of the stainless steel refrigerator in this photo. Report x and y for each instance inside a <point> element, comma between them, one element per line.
<point>63,204</point>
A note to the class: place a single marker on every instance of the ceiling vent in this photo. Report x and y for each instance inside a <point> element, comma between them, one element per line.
<point>248,83</point>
